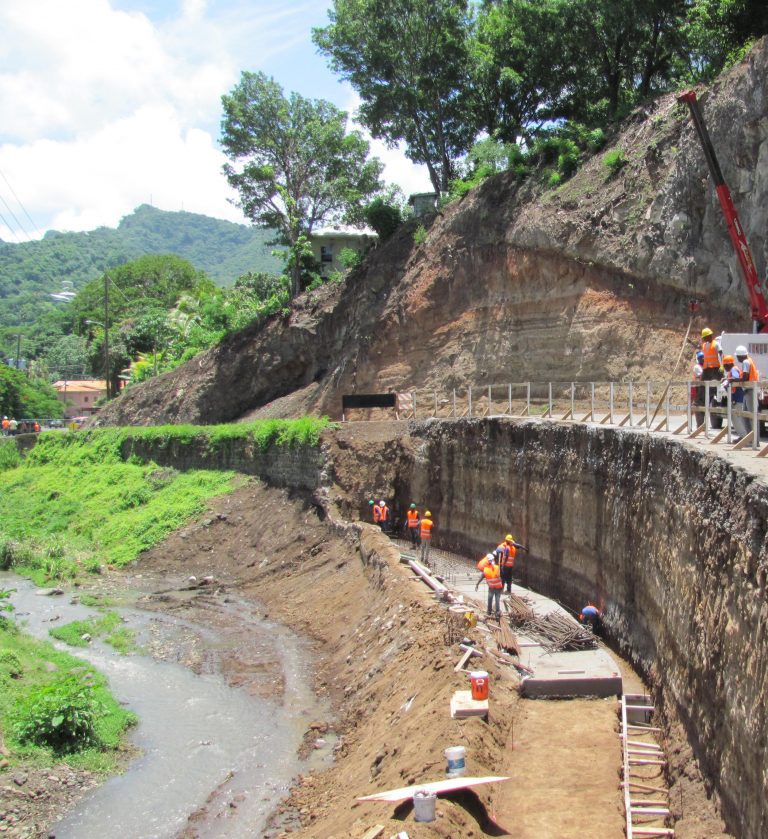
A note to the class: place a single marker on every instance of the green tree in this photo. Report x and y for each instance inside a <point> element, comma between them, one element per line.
<point>408,61</point>
<point>67,358</point>
<point>24,397</point>
<point>292,160</point>
<point>384,217</point>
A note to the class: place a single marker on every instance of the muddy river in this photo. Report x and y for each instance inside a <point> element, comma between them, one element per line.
<point>222,754</point>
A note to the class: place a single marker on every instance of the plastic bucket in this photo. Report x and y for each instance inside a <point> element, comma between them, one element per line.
<point>479,680</point>
<point>424,805</point>
<point>455,757</point>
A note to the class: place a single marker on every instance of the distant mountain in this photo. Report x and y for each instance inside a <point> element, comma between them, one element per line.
<point>31,271</point>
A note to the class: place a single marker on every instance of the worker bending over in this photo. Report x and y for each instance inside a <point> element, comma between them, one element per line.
<point>591,616</point>
<point>491,573</point>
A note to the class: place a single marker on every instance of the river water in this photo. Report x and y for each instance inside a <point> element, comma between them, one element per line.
<point>201,740</point>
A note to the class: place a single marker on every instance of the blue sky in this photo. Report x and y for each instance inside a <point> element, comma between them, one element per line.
<point>108,104</point>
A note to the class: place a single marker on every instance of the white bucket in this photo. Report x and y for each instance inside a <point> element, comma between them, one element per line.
<point>424,805</point>
<point>455,757</point>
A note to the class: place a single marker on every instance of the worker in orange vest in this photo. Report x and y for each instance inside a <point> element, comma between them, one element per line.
<point>385,516</point>
<point>425,532</point>
<point>710,363</point>
<point>6,426</point>
<point>492,575</point>
<point>376,512</point>
<point>749,373</point>
<point>413,522</point>
<point>591,616</point>
<point>507,551</point>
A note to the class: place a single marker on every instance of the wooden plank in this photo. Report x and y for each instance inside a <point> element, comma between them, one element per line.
<point>643,762</point>
<point>653,831</point>
<point>681,428</point>
<point>605,419</point>
<point>643,727</point>
<point>624,421</point>
<point>374,832</point>
<point>745,441</point>
<point>719,436</point>
<point>644,745</point>
<point>698,430</point>
<point>640,786</point>
<point>650,802</point>
<point>639,708</point>
<point>449,785</point>
<point>587,417</point>
<point>567,415</point>
<point>763,452</point>
<point>650,811</point>
<point>646,752</point>
<point>463,661</point>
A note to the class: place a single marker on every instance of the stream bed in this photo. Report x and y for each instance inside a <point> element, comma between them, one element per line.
<point>216,759</point>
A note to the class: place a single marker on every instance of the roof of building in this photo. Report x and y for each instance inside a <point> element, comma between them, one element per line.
<point>341,230</point>
<point>83,385</point>
<point>415,195</point>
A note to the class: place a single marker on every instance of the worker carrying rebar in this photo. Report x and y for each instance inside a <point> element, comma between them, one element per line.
<point>491,573</point>
<point>591,616</point>
<point>412,524</point>
<point>425,533</point>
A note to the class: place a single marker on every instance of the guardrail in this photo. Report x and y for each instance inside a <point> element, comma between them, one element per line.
<point>676,407</point>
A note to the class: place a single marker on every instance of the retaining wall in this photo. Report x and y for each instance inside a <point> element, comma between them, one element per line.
<point>674,539</point>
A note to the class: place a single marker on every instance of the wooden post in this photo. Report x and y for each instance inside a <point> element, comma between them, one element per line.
<point>470,401</point>
<point>755,418</point>
<point>706,409</point>
<point>414,404</point>
<point>528,399</point>
<point>454,403</point>
<point>550,400</point>
<point>573,398</point>
<point>510,399</point>
<point>728,417</point>
<point>631,400</point>
<point>611,404</point>
<point>592,400</point>
<point>434,393</point>
<point>490,401</point>
<point>647,406</point>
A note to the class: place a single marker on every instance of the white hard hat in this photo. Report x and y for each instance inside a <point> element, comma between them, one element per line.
<point>490,557</point>
<point>741,350</point>
<point>381,503</point>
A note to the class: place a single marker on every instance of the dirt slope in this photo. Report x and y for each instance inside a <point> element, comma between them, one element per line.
<point>589,281</point>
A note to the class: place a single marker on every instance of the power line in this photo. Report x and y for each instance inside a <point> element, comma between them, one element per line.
<point>19,224</point>
<point>24,209</point>
<point>10,229</point>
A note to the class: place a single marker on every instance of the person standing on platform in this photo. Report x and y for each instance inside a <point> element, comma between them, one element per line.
<point>425,532</point>
<point>385,516</point>
<point>413,522</point>
<point>491,573</point>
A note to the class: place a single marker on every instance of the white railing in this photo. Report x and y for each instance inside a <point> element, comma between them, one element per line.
<point>653,406</point>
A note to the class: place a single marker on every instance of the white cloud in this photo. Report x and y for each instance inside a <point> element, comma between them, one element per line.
<point>104,108</point>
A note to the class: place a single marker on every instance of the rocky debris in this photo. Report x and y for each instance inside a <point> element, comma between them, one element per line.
<point>49,592</point>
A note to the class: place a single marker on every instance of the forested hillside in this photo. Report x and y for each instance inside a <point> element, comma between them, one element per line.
<point>30,271</point>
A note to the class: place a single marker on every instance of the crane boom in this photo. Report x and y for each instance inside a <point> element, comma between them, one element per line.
<point>757,298</point>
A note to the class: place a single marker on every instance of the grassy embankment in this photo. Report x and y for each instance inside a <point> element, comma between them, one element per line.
<point>76,502</point>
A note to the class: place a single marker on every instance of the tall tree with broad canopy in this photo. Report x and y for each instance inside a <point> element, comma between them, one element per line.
<point>293,162</point>
<point>408,61</point>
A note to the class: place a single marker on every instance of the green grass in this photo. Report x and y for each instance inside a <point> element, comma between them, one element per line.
<point>27,667</point>
<point>109,626</point>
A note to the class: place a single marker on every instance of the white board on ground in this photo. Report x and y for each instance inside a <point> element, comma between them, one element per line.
<point>434,786</point>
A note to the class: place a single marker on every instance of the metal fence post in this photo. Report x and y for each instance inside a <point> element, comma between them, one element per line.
<point>667,410</point>
<point>470,401</point>
<point>755,418</point>
<point>573,402</point>
<point>689,409</point>
<point>592,400</point>
<point>631,405</point>
<point>648,406</point>
<point>510,398</point>
<point>413,394</point>
<point>490,401</point>
<point>454,403</point>
<point>610,409</point>
<point>728,417</point>
<point>528,399</point>
<point>550,400</point>
<point>706,410</point>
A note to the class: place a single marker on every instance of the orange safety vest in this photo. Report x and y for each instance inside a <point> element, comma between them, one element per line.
<point>413,518</point>
<point>492,574</point>
<point>508,554</point>
<point>426,528</point>
<point>376,513</point>
<point>754,373</point>
<point>383,513</point>
<point>711,358</point>
<point>6,425</point>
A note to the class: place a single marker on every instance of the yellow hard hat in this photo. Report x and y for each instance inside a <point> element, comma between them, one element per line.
<point>706,332</point>
<point>509,538</point>
<point>427,513</point>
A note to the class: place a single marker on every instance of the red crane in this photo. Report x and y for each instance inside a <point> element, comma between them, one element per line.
<point>756,294</point>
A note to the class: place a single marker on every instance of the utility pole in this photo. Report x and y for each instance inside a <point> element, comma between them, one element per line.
<point>106,333</point>
<point>18,351</point>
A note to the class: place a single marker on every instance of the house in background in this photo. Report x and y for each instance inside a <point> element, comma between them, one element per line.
<point>329,242</point>
<point>423,203</point>
<point>80,397</point>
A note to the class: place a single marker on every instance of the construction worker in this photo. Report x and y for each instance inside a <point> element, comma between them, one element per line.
<point>413,522</point>
<point>385,516</point>
<point>507,551</point>
<point>491,573</point>
<point>591,616</point>
<point>6,426</point>
<point>425,532</point>
<point>749,373</point>
<point>732,381</point>
<point>376,512</point>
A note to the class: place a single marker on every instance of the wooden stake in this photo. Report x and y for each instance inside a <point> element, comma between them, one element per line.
<point>463,661</point>
<point>374,832</point>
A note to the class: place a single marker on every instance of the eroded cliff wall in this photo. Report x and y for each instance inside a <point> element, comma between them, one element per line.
<point>674,540</point>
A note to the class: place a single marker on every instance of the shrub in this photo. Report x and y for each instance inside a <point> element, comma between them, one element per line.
<point>350,258</point>
<point>419,235</point>
<point>11,664</point>
<point>9,455</point>
<point>555,179</point>
<point>614,160</point>
<point>60,716</point>
<point>384,217</point>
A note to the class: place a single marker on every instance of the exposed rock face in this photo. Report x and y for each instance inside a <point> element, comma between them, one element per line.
<point>586,282</point>
<point>674,540</point>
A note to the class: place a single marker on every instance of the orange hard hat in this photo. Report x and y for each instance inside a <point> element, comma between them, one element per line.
<point>728,359</point>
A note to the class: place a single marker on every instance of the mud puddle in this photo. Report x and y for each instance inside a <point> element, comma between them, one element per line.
<point>224,698</point>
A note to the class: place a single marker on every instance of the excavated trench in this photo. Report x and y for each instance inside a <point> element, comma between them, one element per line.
<point>672,539</point>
